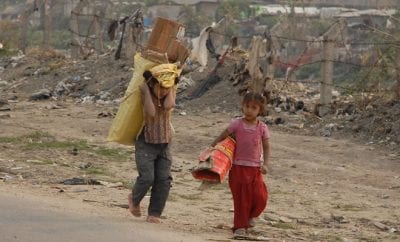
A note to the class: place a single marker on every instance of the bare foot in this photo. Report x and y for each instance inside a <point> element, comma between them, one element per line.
<point>134,209</point>
<point>252,222</point>
<point>153,219</point>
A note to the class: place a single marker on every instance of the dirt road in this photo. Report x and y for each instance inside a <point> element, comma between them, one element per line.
<point>321,189</point>
<point>31,219</point>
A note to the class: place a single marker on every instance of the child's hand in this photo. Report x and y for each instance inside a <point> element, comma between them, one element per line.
<point>264,169</point>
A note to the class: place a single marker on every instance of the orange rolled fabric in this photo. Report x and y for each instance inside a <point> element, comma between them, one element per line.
<point>215,162</point>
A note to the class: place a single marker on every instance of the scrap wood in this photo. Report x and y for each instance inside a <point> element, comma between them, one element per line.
<point>124,21</point>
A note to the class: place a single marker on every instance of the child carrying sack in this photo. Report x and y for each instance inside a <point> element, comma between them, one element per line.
<point>215,162</point>
<point>129,119</point>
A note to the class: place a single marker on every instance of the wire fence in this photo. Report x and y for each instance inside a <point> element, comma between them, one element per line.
<point>353,49</point>
<point>359,84</point>
<point>376,75</point>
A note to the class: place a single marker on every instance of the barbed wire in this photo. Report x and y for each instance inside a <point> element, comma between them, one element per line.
<point>92,15</point>
<point>81,35</point>
<point>88,34</point>
<point>315,40</point>
<point>394,42</point>
<point>350,42</point>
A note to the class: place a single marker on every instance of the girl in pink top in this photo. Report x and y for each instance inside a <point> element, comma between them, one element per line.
<point>250,162</point>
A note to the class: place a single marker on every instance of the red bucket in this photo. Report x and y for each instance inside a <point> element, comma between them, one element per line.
<point>214,163</point>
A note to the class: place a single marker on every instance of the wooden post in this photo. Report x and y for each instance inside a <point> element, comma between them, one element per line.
<point>22,43</point>
<point>273,46</point>
<point>130,47</point>
<point>46,24</point>
<point>253,65</point>
<point>326,74</point>
<point>396,88</point>
<point>98,44</point>
<point>135,35</point>
<point>74,26</point>
<point>327,66</point>
<point>271,56</point>
<point>101,12</point>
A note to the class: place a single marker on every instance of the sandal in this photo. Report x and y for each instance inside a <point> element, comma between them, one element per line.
<point>240,234</point>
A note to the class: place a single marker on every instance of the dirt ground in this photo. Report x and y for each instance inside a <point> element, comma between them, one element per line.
<point>320,189</point>
<point>342,187</point>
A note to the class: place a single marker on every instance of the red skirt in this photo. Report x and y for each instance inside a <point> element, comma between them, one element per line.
<point>249,193</point>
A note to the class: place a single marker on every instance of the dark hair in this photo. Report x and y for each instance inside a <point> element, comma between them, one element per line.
<point>257,98</point>
<point>149,79</point>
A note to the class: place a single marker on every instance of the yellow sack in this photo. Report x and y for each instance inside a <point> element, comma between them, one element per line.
<point>129,119</point>
<point>166,74</point>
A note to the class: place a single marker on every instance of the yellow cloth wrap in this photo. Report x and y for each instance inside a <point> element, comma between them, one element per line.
<point>166,74</point>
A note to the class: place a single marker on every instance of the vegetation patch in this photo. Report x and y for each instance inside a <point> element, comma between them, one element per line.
<point>80,145</point>
<point>114,154</point>
<point>282,225</point>
<point>8,139</point>
<point>39,140</point>
<point>327,237</point>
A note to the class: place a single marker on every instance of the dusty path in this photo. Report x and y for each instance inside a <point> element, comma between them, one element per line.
<point>321,189</point>
<point>30,219</point>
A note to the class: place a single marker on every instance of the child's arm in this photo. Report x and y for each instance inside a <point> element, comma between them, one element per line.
<point>148,105</point>
<point>221,137</point>
<point>169,101</point>
<point>266,153</point>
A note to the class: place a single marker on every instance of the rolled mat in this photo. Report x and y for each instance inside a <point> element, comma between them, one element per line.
<point>215,162</point>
